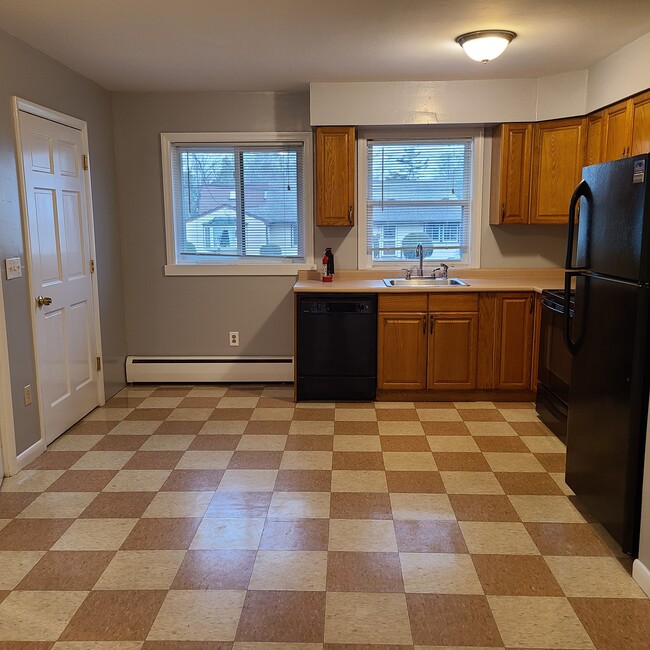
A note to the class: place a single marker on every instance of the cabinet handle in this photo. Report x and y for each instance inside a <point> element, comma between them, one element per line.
<point>424,324</point>
<point>530,308</point>
<point>431,321</point>
<point>503,211</point>
<point>350,215</point>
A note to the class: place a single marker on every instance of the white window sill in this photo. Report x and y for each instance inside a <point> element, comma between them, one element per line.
<point>237,269</point>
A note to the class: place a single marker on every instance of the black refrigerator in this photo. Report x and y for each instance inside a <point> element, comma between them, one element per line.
<point>608,258</point>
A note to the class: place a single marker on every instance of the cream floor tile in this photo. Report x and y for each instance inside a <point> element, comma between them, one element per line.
<point>394,405</point>
<point>362,619</point>
<point>497,538</point>
<point>439,415</point>
<point>190,415</point>
<point>474,405</point>
<point>214,391</point>
<point>167,443</point>
<point>545,508</point>
<point>135,428</point>
<point>141,570</point>
<point>4,522</point>
<point>31,480</point>
<point>95,535</point>
<point>315,405</point>
<point>248,480</point>
<point>471,483</point>
<point>37,615</point>
<point>544,444</point>
<point>558,477</point>
<point>160,402</point>
<point>236,534</point>
<point>344,480</point>
<point>75,443</point>
<point>311,427</point>
<point>407,428</point>
<point>439,573</point>
<point>306,460</point>
<point>138,480</point>
<point>452,443</point>
<point>135,391</point>
<point>363,535</point>
<point>103,460</point>
<point>410,461</point>
<point>421,507</point>
<point>262,443</point>
<point>204,460</point>
<point>98,645</point>
<point>290,571</point>
<point>354,415</point>
<point>593,577</point>
<point>238,402</point>
<point>538,622</point>
<point>15,565</point>
<point>490,429</point>
<point>272,414</point>
<point>277,646</point>
<point>107,414</point>
<point>512,462</point>
<point>357,443</point>
<point>299,505</point>
<point>519,415</point>
<point>206,616</point>
<point>178,504</point>
<point>227,427</point>
<point>52,505</point>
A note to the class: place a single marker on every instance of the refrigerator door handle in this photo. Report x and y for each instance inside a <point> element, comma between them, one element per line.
<point>571,345</point>
<point>581,190</point>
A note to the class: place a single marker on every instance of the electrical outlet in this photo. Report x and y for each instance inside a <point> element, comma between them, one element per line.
<point>234,339</point>
<point>13,267</point>
<point>27,394</point>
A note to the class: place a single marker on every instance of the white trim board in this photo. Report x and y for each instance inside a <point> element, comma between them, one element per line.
<point>7,433</point>
<point>641,574</point>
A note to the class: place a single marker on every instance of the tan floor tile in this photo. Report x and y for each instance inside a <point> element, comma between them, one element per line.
<point>229,505</point>
<point>262,443</point>
<point>272,414</point>
<point>248,480</point>
<point>83,480</point>
<point>228,427</point>
<point>149,414</point>
<point>189,415</point>
<point>552,463</point>
<point>516,575</point>
<point>535,622</point>
<point>208,391</point>
<point>97,645</point>
<point>222,442</point>
<point>422,507</point>
<point>445,429</point>
<point>86,428</point>
<point>142,428</point>
<point>297,442</point>
<point>567,539</point>
<point>429,537</point>
<point>546,509</point>
<point>232,414</point>
<point>439,573</point>
<point>358,460</point>
<point>397,415</point>
<point>460,461</point>
<point>558,477</point>
<point>238,534</point>
<point>15,565</point>
<point>118,505</point>
<point>199,402</point>
<point>366,428</point>
<point>394,405</point>
<point>95,535</point>
<point>37,615</point>
<point>277,646</point>
<point>154,460</point>
<point>75,443</point>
<point>474,405</point>
<point>299,505</point>
<point>314,414</point>
<point>438,415</point>
<point>315,405</point>
<point>483,507</point>
<point>421,461</point>
<point>544,444</point>
<point>205,460</point>
<point>306,460</point>
<point>481,415</point>
<point>528,483</point>
<point>178,504</point>
<point>35,480</point>
<point>160,402</point>
<point>179,428</point>
<point>366,572</point>
<point>500,443</point>
<point>107,414</point>
<point>317,428</point>
<point>519,415</point>
<point>360,505</point>
<point>452,443</point>
<point>141,570</point>
<point>362,535</point>
<point>531,429</point>
<point>593,577</point>
<point>206,616</point>
<point>138,480</point>
<point>357,443</point>
<point>490,428</point>
<point>358,481</point>
<point>296,534</point>
<point>51,505</point>
<point>290,571</point>
<point>117,443</point>
<point>103,460</point>
<point>31,534</point>
<point>224,569</point>
<point>507,462</point>
<point>238,402</point>
<point>418,482</point>
<point>367,618</point>
<point>303,480</point>
<point>167,443</point>
<point>400,428</point>
<point>4,522</point>
<point>403,443</point>
<point>162,534</point>
<point>354,415</point>
<point>471,483</point>
<point>497,538</point>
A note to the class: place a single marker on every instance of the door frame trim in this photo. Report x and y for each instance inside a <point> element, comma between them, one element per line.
<point>26,106</point>
<point>8,462</point>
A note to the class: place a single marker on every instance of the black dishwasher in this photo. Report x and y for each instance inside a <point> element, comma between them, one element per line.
<point>336,346</point>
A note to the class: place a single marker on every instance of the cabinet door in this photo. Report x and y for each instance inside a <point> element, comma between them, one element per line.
<point>452,350</point>
<point>514,339</point>
<point>402,353</point>
<point>334,176</point>
<point>641,124</point>
<point>512,146</point>
<point>594,139</point>
<point>617,125</point>
<point>558,156</point>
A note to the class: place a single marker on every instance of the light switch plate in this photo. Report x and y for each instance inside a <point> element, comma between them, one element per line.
<point>14,268</point>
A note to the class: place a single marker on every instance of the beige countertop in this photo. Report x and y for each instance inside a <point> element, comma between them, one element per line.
<point>476,279</point>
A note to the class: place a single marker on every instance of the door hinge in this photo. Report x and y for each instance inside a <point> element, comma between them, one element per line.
<point>92,266</point>
<point>84,162</point>
<point>99,364</point>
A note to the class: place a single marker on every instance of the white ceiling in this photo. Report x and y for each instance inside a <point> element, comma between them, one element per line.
<point>172,45</point>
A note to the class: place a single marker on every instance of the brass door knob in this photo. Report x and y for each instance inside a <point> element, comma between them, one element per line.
<point>43,300</point>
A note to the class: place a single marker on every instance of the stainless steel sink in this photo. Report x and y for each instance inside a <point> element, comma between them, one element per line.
<point>424,282</point>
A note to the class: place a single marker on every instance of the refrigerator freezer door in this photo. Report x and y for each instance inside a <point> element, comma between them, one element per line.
<point>613,236</point>
<point>608,403</point>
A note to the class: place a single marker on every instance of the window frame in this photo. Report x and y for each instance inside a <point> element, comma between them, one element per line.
<point>236,266</point>
<point>428,133</point>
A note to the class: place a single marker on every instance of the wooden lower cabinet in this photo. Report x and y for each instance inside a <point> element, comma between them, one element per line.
<point>452,351</point>
<point>514,341</point>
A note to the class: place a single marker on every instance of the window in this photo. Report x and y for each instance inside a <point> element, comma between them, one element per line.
<point>419,188</point>
<point>237,203</point>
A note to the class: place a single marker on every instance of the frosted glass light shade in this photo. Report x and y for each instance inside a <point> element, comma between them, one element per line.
<point>485,45</point>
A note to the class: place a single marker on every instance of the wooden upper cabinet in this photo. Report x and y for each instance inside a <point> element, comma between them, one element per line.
<point>617,129</point>
<point>594,138</point>
<point>511,159</point>
<point>640,106</point>
<point>335,176</point>
<point>514,340</point>
<point>558,156</point>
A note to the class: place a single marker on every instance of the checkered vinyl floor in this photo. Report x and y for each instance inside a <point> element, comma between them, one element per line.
<point>230,517</point>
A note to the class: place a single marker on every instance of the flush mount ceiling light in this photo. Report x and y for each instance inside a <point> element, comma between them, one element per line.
<point>485,45</point>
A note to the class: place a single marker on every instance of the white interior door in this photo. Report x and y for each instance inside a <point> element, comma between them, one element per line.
<point>60,274</point>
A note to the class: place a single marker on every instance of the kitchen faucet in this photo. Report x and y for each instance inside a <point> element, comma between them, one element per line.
<point>419,251</point>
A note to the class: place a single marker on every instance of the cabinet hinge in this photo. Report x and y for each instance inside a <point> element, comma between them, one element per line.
<point>84,162</point>
<point>92,266</point>
<point>99,364</point>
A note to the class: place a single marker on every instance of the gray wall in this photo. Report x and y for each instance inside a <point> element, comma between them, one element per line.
<point>193,315</point>
<point>31,75</point>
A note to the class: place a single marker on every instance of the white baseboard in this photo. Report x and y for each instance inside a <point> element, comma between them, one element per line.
<point>641,574</point>
<point>30,454</point>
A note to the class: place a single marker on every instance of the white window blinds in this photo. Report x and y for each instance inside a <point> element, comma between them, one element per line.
<point>238,202</point>
<point>418,191</point>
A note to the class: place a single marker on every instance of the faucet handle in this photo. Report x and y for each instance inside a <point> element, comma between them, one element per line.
<point>408,273</point>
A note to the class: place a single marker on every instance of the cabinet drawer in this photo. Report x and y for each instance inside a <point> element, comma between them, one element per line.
<point>453,302</point>
<point>403,302</point>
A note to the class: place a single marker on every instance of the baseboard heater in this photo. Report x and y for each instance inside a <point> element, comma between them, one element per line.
<point>208,369</point>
